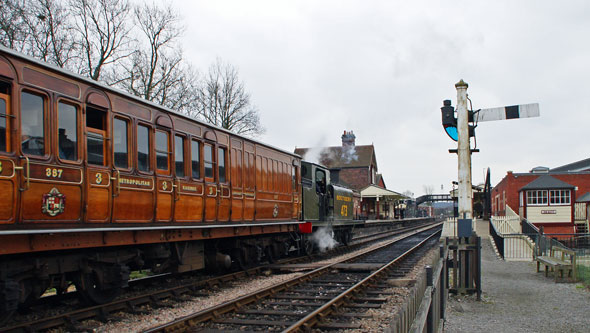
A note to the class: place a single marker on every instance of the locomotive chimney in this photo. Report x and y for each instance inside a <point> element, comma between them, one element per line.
<point>348,139</point>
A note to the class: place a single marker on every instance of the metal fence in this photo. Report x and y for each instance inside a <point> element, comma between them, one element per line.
<point>498,239</point>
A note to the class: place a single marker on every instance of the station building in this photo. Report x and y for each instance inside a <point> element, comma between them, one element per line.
<point>557,199</point>
<point>355,167</point>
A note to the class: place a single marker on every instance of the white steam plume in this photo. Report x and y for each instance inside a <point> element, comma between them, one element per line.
<point>323,239</point>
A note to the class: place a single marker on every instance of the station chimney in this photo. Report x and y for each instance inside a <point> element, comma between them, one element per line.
<point>348,139</point>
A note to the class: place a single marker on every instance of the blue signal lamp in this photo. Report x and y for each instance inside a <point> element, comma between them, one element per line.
<point>449,121</point>
<point>452,133</point>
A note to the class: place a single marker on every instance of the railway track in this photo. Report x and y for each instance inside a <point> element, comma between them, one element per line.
<point>325,298</point>
<point>71,319</point>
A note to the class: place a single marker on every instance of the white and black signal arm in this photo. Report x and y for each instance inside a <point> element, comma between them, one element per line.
<point>507,112</point>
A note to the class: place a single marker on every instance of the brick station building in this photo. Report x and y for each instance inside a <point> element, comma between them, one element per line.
<point>354,166</point>
<point>557,199</point>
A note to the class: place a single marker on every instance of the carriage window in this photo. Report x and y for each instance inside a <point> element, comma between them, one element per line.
<point>3,111</point>
<point>95,126</point>
<point>195,159</point>
<point>208,161</point>
<point>32,119</point>
<point>68,131</point>
<point>143,148</point>
<point>221,165</point>
<point>120,147</point>
<point>162,150</point>
<point>179,155</point>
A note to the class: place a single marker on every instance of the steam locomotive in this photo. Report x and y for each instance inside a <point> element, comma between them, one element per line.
<point>96,183</point>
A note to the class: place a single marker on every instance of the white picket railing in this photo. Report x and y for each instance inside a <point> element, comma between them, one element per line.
<point>517,247</point>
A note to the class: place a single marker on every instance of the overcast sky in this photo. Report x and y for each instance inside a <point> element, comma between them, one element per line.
<point>383,68</point>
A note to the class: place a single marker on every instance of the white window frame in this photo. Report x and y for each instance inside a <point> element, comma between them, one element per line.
<point>537,198</point>
<point>559,197</point>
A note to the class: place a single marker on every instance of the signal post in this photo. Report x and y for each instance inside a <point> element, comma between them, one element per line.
<point>464,163</point>
<point>465,250</point>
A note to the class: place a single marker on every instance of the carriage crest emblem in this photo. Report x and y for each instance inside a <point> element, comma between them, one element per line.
<point>275,211</point>
<point>54,203</point>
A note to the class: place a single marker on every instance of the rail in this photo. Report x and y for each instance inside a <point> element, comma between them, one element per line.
<point>213,315</point>
<point>71,318</point>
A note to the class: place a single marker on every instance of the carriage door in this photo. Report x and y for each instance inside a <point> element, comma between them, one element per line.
<point>237,181</point>
<point>8,177</point>
<point>164,182</point>
<point>224,193</point>
<point>249,182</point>
<point>98,174</point>
<point>51,191</point>
<point>133,197</point>
<point>188,195</point>
<point>211,189</point>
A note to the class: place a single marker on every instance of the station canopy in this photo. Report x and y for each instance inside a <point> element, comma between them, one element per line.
<point>374,191</point>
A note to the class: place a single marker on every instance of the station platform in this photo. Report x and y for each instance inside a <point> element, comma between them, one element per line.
<point>450,228</point>
<point>517,299</point>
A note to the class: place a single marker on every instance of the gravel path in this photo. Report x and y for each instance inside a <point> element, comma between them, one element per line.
<point>517,299</point>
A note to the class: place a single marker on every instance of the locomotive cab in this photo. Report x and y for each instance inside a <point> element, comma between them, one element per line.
<point>326,205</point>
<point>314,182</point>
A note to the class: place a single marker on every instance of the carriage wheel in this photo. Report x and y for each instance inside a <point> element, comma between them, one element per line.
<point>5,316</point>
<point>307,247</point>
<point>90,290</point>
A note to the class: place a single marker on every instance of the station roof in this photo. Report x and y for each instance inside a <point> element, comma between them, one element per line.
<point>584,198</point>
<point>374,191</point>
<point>582,165</point>
<point>546,182</point>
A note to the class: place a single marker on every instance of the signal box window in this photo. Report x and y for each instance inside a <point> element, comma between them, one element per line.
<point>208,161</point>
<point>196,159</point>
<point>179,155</point>
<point>67,132</point>
<point>32,120</point>
<point>4,138</point>
<point>162,150</point>
<point>221,165</point>
<point>96,128</point>
<point>120,146</point>
<point>143,148</point>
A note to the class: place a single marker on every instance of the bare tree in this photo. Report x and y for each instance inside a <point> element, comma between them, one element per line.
<point>13,30</point>
<point>224,102</point>
<point>156,70</point>
<point>103,33</point>
<point>51,32</point>
<point>428,190</point>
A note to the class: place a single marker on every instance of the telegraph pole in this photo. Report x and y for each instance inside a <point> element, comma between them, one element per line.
<point>464,160</point>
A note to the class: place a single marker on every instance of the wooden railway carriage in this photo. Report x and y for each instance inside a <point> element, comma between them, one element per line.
<point>95,182</point>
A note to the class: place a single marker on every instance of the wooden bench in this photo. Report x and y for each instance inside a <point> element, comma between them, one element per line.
<point>560,259</point>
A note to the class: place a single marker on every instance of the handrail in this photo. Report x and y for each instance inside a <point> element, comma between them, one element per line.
<point>28,174</point>
<point>117,188</point>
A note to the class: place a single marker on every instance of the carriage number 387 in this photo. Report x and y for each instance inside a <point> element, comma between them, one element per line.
<point>53,173</point>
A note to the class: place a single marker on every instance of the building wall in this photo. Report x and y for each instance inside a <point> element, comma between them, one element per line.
<point>508,188</point>
<point>556,228</point>
<point>506,192</point>
<point>538,214</point>
<point>355,178</point>
<point>514,182</point>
